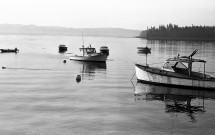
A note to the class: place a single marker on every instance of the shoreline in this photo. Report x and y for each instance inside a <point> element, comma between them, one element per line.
<point>179,39</point>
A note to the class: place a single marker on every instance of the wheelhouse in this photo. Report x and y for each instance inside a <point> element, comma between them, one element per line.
<point>178,65</point>
<point>87,51</point>
<point>175,66</point>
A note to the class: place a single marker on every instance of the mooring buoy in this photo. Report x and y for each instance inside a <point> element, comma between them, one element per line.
<point>78,78</point>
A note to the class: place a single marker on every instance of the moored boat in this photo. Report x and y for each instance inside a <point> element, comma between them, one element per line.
<point>9,50</point>
<point>62,48</point>
<point>144,49</point>
<point>89,54</point>
<point>104,49</point>
<point>175,73</point>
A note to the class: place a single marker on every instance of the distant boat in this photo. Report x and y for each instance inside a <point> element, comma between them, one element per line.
<point>89,54</point>
<point>175,73</point>
<point>9,50</point>
<point>62,48</point>
<point>104,49</point>
<point>144,49</point>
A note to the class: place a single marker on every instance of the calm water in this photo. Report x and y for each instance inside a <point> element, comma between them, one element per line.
<point>39,94</point>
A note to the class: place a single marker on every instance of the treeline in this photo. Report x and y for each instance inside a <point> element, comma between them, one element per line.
<point>174,32</point>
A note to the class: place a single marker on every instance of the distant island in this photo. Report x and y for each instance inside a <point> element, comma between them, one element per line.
<point>18,29</point>
<point>174,32</point>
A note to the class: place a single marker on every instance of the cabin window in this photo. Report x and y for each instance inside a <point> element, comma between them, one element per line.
<point>171,63</point>
<point>167,66</point>
<point>180,65</point>
<point>180,68</point>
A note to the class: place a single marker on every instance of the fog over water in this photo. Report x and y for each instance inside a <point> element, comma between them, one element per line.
<point>130,14</point>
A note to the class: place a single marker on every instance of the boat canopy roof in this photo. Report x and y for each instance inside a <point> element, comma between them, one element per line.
<point>103,47</point>
<point>62,45</point>
<point>185,59</point>
<point>87,49</point>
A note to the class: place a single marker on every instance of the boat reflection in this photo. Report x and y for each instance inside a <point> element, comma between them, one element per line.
<point>89,70</point>
<point>176,100</point>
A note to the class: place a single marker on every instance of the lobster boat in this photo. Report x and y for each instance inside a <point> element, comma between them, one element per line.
<point>175,73</point>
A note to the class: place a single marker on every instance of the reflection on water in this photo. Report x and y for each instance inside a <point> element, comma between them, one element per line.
<point>88,70</point>
<point>51,102</point>
<point>176,100</point>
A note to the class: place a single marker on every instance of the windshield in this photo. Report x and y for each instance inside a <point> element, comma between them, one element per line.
<point>88,50</point>
<point>180,65</point>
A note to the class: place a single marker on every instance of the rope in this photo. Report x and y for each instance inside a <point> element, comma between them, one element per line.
<point>24,68</point>
<point>133,76</point>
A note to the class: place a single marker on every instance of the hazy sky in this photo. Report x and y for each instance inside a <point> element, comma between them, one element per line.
<point>131,14</point>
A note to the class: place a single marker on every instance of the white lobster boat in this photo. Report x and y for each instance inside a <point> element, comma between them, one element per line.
<point>175,73</point>
<point>89,54</point>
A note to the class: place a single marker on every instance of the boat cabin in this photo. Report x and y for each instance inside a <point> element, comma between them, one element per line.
<point>88,50</point>
<point>183,65</point>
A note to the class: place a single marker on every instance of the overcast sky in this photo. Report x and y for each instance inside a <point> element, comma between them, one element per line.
<point>130,14</point>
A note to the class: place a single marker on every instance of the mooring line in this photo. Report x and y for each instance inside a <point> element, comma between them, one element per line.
<point>133,76</point>
<point>24,68</point>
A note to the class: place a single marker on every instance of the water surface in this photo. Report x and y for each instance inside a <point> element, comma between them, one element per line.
<point>39,93</point>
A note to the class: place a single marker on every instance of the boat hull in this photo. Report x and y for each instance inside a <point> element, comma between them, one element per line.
<point>94,58</point>
<point>161,77</point>
<point>9,50</point>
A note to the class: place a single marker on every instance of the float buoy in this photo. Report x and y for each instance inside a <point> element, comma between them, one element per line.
<point>64,61</point>
<point>78,78</point>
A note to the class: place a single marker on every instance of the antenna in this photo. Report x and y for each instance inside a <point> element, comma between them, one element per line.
<point>83,39</point>
<point>194,52</point>
<point>83,43</point>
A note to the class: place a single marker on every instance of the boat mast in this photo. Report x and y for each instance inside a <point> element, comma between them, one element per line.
<point>83,43</point>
